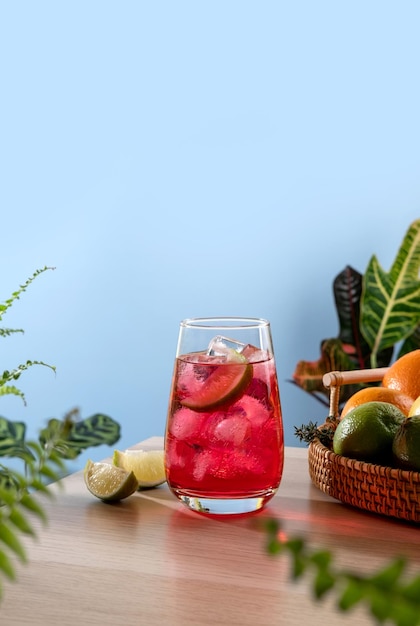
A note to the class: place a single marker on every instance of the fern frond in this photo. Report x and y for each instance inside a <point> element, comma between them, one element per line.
<point>6,332</point>
<point>19,501</point>
<point>7,376</point>
<point>16,294</point>
<point>6,390</point>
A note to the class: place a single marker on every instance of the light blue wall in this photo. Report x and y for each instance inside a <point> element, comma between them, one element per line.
<point>177,159</point>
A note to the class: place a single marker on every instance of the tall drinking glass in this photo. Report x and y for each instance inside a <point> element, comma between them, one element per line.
<point>224,444</point>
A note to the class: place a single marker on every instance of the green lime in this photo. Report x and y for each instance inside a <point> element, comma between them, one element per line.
<point>367,432</point>
<point>225,384</point>
<point>109,483</point>
<point>406,445</point>
<point>147,465</point>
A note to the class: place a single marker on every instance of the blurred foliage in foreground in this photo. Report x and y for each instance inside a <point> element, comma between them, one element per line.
<point>40,462</point>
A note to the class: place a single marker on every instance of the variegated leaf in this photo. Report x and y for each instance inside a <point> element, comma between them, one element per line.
<point>390,304</point>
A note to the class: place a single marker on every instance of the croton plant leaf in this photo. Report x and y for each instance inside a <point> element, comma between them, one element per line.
<point>348,287</point>
<point>390,303</point>
<point>349,351</point>
<point>375,311</point>
<point>411,343</point>
<point>308,374</point>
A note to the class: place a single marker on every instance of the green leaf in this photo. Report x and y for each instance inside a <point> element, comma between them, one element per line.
<point>6,567</point>
<point>322,559</point>
<point>411,343</point>
<point>12,431</point>
<point>272,526</point>
<point>347,287</point>
<point>7,495</point>
<point>21,522</point>
<point>296,548</point>
<point>324,581</point>
<point>12,440</point>
<point>96,430</point>
<point>295,545</point>
<point>404,614</point>
<point>36,448</point>
<point>6,332</point>
<point>274,546</point>
<point>298,567</point>
<point>9,479</point>
<point>9,376</point>
<point>352,594</point>
<point>69,437</point>
<point>16,294</point>
<point>38,485</point>
<point>49,473</point>
<point>56,458</point>
<point>388,577</point>
<point>31,504</point>
<point>8,390</point>
<point>380,604</point>
<point>411,590</point>
<point>8,537</point>
<point>390,304</point>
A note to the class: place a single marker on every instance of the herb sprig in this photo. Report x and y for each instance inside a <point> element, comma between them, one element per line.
<point>310,431</point>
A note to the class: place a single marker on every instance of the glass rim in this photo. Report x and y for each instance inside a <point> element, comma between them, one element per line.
<point>221,323</point>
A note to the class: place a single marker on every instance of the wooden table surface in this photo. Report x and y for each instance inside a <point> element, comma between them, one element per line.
<point>148,560</point>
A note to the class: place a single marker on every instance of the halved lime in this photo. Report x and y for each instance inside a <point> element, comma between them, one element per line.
<point>108,482</point>
<point>147,465</point>
<point>226,383</point>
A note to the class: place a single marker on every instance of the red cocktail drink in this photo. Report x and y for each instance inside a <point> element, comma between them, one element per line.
<point>224,434</point>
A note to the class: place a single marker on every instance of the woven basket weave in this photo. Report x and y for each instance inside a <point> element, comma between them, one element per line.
<point>375,488</point>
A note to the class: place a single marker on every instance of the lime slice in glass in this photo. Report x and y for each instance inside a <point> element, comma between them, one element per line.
<point>226,383</point>
<point>109,483</point>
<point>147,465</point>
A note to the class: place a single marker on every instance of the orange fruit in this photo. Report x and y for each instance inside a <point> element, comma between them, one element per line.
<point>404,375</point>
<point>378,394</point>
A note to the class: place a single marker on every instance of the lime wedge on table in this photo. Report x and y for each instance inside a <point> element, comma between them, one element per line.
<point>225,384</point>
<point>147,466</point>
<point>108,482</point>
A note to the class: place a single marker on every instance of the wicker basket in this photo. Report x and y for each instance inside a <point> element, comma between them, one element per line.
<point>375,488</point>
